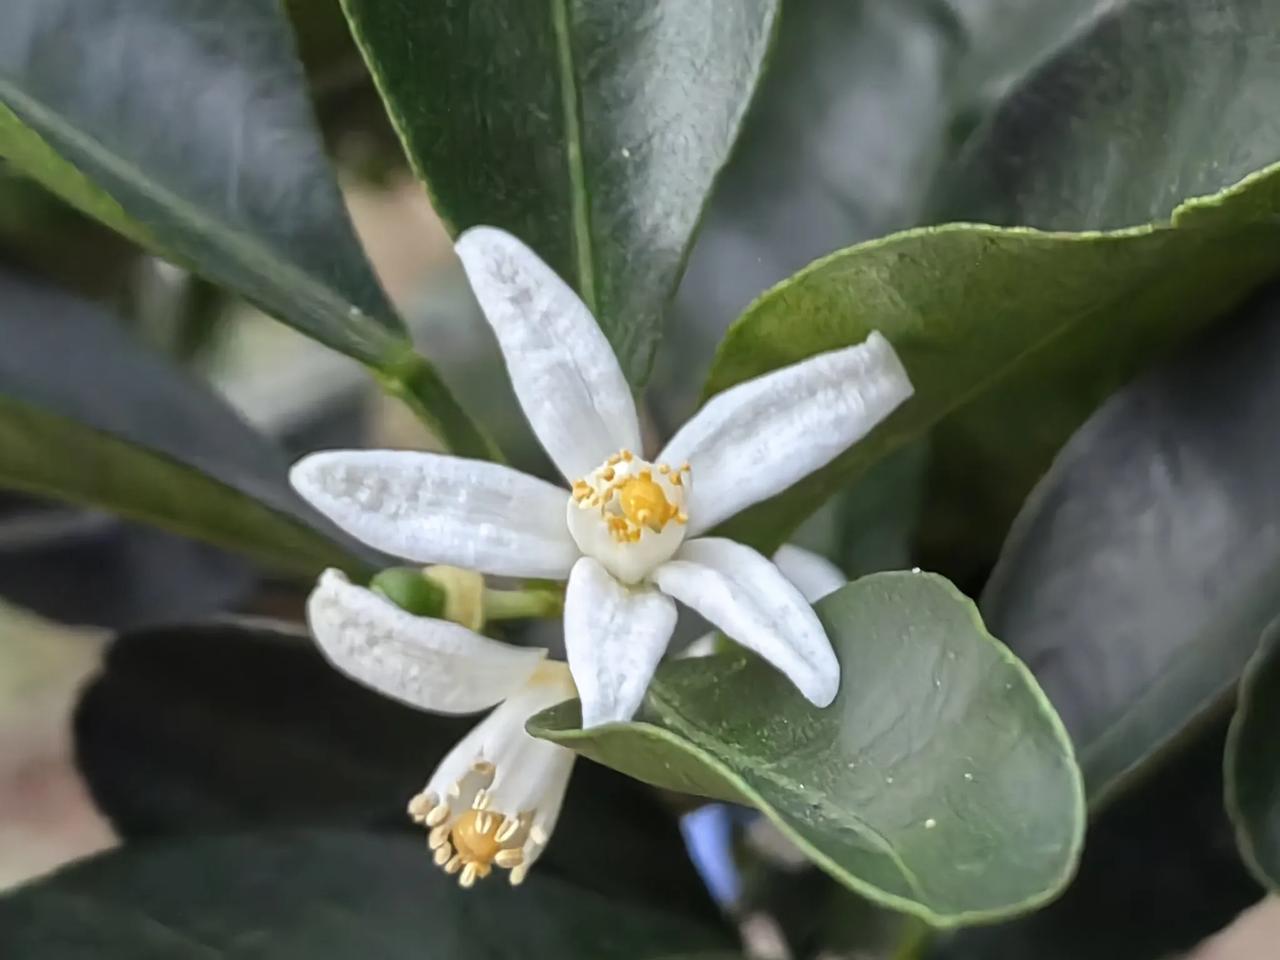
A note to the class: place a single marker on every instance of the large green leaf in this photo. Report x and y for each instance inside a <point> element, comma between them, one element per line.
<point>940,782</point>
<point>1253,761</point>
<point>87,415</point>
<point>592,129</point>
<point>232,726</point>
<point>186,125</point>
<point>1140,575</point>
<point>969,306</point>
<point>1159,874</point>
<point>1139,108</point>
<point>1155,102</point>
<point>315,895</point>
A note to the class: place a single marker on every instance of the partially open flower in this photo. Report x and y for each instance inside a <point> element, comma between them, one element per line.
<point>494,799</point>
<point>628,533</point>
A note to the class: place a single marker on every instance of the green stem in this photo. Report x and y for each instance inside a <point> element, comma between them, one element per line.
<point>917,937</point>
<point>413,380</point>
<point>522,604</point>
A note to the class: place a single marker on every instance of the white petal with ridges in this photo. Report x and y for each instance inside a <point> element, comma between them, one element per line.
<point>749,599</point>
<point>813,574</point>
<point>564,372</point>
<point>437,509</point>
<point>758,438</point>
<point>615,635</point>
<point>426,663</point>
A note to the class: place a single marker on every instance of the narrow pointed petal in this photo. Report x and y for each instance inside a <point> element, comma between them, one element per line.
<point>813,575</point>
<point>748,598</point>
<point>426,663</point>
<point>615,635</point>
<point>760,437</point>
<point>564,372</point>
<point>436,509</point>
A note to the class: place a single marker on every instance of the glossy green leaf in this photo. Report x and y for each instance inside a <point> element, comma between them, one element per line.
<point>1115,129</point>
<point>1141,573</point>
<point>1160,873</point>
<point>591,129</point>
<point>1150,103</point>
<point>1252,766</point>
<point>87,415</point>
<point>316,895</point>
<point>968,307</point>
<point>940,782</point>
<point>186,125</point>
<point>211,728</point>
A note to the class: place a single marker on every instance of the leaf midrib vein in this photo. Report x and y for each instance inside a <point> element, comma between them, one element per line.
<point>571,107</point>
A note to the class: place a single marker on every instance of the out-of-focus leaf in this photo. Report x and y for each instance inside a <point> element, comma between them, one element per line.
<point>84,567</point>
<point>185,124</point>
<point>1139,577</point>
<point>235,726</point>
<point>89,416</point>
<point>848,123</point>
<point>313,895</point>
<point>591,129</point>
<point>1252,769</point>
<point>1159,874</point>
<point>940,782</point>
<point>968,306</point>
<point>1152,102</point>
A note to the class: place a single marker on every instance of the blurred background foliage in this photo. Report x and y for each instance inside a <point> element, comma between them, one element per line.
<point>1136,580</point>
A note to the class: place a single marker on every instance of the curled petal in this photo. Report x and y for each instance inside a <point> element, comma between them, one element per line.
<point>748,598</point>
<point>507,786</point>
<point>426,663</point>
<point>564,372</point>
<point>615,635</point>
<point>436,509</point>
<point>758,438</point>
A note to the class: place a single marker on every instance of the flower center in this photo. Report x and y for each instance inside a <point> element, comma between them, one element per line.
<point>468,837</point>
<point>629,513</point>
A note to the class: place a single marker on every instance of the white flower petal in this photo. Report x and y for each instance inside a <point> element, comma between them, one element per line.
<point>615,635</point>
<point>521,776</point>
<point>563,370</point>
<point>814,575</point>
<point>748,598</point>
<point>760,437</point>
<point>425,663</point>
<point>437,509</point>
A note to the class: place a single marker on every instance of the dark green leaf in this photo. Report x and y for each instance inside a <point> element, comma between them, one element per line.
<point>83,567</point>
<point>87,415</point>
<point>1140,108</point>
<point>203,729</point>
<point>186,125</point>
<point>591,129</point>
<point>969,307</point>
<point>1154,102</point>
<point>940,782</point>
<point>1144,567</point>
<point>320,896</point>
<point>1253,761</point>
<point>192,119</point>
<point>1159,874</point>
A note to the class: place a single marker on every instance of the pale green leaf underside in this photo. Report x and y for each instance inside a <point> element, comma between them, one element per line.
<point>940,782</point>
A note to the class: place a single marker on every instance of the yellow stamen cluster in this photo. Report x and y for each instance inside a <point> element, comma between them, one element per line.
<point>631,502</point>
<point>470,844</point>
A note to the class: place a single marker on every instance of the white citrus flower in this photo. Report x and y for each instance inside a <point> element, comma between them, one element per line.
<point>495,798</point>
<point>626,534</point>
